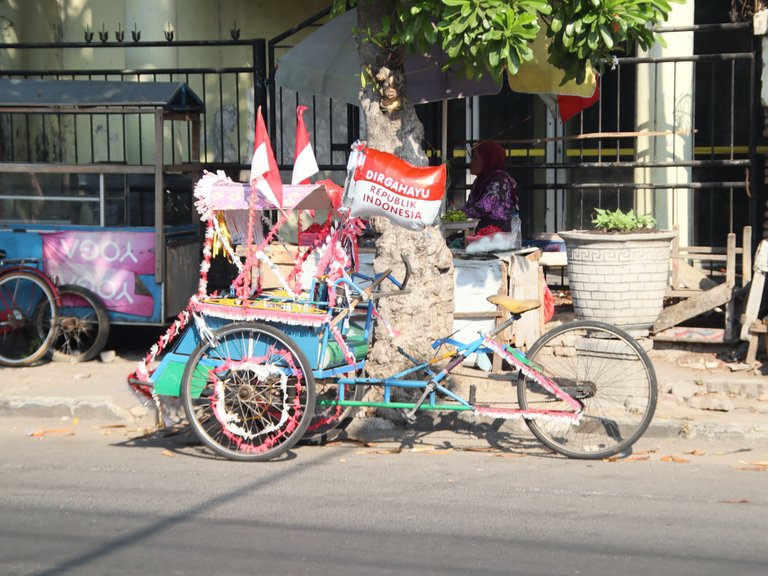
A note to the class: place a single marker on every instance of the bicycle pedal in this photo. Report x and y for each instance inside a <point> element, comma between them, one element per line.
<point>409,417</point>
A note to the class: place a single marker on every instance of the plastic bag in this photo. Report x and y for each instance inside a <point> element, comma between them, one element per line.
<point>549,304</point>
<point>516,231</point>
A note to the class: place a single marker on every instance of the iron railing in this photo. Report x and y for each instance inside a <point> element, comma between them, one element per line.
<point>230,95</point>
<point>563,173</point>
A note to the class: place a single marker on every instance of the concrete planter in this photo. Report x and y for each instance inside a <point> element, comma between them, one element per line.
<point>618,278</point>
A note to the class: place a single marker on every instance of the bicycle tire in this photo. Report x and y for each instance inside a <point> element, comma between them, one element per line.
<point>608,372</point>
<point>329,421</point>
<point>82,326</point>
<point>28,315</point>
<point>249,394</point>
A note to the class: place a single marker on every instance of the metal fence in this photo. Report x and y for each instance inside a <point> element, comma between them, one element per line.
<point>689,148</point>
<point>230,94</point>
<point>705,154</point>
<point>610,155</point>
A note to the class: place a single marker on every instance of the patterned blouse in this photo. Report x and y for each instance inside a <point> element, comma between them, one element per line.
<point>495,203</point>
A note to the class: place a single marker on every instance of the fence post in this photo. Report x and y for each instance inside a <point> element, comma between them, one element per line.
<point>260,78</point>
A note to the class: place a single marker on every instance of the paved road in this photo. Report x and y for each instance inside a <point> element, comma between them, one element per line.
<point>102,502</point>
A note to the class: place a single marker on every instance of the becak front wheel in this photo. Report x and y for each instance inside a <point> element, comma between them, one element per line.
<point>249,394</point>
<point>330,420</point>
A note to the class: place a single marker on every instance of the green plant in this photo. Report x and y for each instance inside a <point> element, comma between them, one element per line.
<point>594,30</point>
<point>618,221</point>
<point>454,216</point>
<point>494,36</point>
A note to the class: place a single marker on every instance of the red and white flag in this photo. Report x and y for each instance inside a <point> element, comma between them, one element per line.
<point>305,164</point>
<point>265,177</point>
<point>569,106</point>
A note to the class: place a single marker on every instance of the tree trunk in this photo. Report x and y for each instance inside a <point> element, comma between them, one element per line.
<point>392,126</point>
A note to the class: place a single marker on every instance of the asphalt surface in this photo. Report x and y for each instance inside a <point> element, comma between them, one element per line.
<point>99,500</point>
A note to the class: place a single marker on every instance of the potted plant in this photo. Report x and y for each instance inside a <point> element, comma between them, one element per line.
<point>618,272</point>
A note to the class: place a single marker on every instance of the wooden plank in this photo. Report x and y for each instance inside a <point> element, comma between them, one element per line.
<point>730,266</point>
<point>701,250</point>
<point>690,334</point>
<point>755,297</point>
<point>692,307</point>
<point>524,285</point>
<point>746,259</point>
<point>682,293</point>
<point>730,279</point>
<point>674,260</point>
<point>692,277</point>
<point>503,315</point>
<point>704,257</point>
<point>477,315</point>
<point>751,356</point>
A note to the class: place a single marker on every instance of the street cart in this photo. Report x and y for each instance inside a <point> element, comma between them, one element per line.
<point>97,180</point>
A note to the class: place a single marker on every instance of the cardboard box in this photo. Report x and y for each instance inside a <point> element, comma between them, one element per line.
<point>283,256</point>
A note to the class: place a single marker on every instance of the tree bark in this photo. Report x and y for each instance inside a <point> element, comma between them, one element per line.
<point>427,312</point>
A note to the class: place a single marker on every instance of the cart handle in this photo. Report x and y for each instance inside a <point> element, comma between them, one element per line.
<point>364,295</point>
<point>407,264</point>
<point>368,291</point>
<point>401,286</point>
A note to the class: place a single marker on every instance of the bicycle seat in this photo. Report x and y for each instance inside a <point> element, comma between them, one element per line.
<point>513,306</point>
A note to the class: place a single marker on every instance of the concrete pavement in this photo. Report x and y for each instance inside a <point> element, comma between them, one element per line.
<point>93,390</point>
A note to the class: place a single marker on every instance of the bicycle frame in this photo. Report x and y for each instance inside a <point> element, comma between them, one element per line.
<point>432,388</point>
<point>25,265</point>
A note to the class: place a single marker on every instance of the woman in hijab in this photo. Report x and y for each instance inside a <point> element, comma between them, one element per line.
<point>493,198</point>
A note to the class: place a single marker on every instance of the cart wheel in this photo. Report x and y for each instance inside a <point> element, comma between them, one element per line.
<point>249,394</point>
<point>82,327</point>
<point>329,421</point>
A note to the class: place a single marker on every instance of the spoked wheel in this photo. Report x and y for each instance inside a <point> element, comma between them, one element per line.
<point>83,325</point>
<point>607,372</point>
<point>329,421</point>
<point>28,315</point>
<point>249,394</point>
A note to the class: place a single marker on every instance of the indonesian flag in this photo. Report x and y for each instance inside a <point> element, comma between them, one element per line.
<point>304,164</point>
<point>265,177</point>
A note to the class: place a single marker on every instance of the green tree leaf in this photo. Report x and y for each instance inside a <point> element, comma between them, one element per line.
<point>494,36</point>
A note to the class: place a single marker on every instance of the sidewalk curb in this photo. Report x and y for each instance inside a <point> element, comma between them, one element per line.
<point>742,387</point>
<point>686,429</point>
<point>84,407</point>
